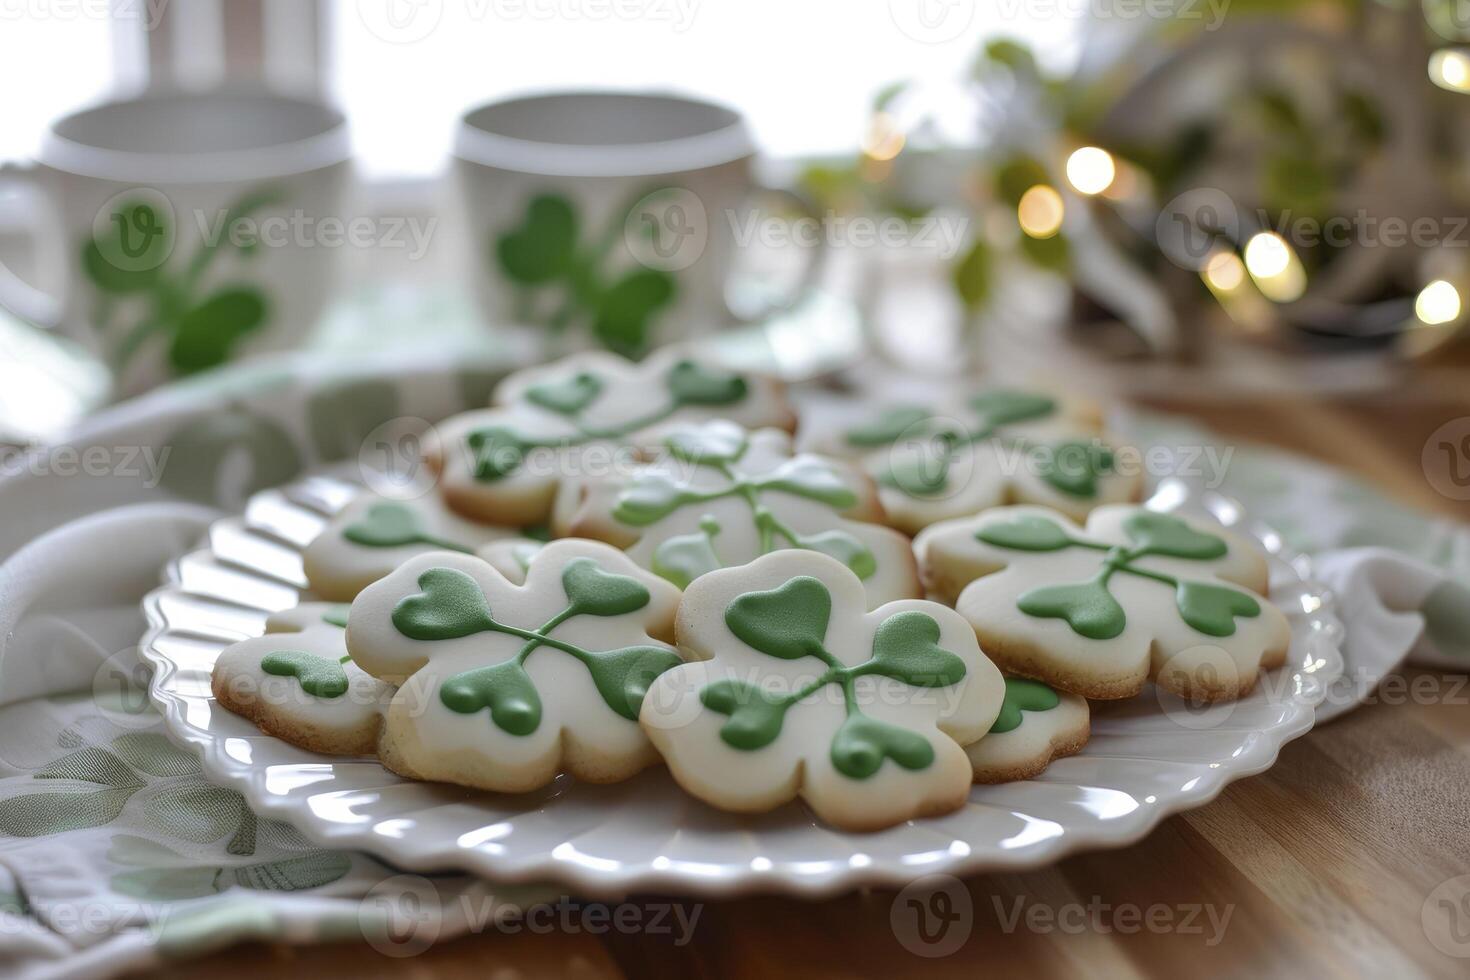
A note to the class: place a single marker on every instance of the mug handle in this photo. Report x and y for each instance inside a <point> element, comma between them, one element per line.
<point>812,275</point>
<point>16,295</point>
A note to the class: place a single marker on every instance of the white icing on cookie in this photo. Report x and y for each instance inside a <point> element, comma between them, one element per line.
<point>373,535</point>
<point>296,683</point>
<point>1039,724</point>
<point>584,416</point>
<point>505,685</point>
<point>803,692</point>
<point>1182,604</point>
<point>719,496</point>
<point>996,447</point>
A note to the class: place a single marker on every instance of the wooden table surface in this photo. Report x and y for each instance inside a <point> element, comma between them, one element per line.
<point>1324,864</point>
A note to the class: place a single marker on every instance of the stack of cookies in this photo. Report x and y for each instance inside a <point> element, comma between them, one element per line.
<point>626,564</point>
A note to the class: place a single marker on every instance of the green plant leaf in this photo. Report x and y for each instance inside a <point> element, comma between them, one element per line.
<point>622,676</point>
<point>542,247</point>
<point>1212,609</point>
<point>111,279</point>
<point>593,591</point>
<point>1021,695</point>
<point>756,715</point>
<point>1088,607</point>
<point>1026,533</point>
<point>690,383</point>
<point>567,396</point>
<point>972,276</point>
<point>788,622</point>
<point>906,648</point>
<point>206,335</point>
<point>888,427</point>
<point>1163,534</point>
<point>625,309</point>
<point>845,547</point>
<point>451,605</point>
<point>505,688</point>
<point>862,743</point>
<point>318,676</point>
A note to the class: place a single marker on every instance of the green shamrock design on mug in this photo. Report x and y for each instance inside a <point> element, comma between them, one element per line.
<point>132,263</point>
<point>504,685</point>
<point>722,496</point>
<point>543,258</point>
<point>804,691</point>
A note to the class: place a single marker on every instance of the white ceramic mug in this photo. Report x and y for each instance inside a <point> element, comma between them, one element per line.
<point>603,218</point>
<point>182,229</point>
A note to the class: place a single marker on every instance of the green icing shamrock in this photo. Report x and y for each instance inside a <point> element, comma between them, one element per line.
<point>1022,695</point>
<point>132,260</point>
<point>498,450</point>
<point>394,525</point>
<point>318,676</point>
<point>542,254</point>
<point>790,623</point>
<point>1090,609</point>
<point>453,605</point>
<point>1072,467</point>
<point>651,497</point>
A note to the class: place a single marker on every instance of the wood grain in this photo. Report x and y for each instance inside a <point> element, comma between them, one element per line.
<point>1321,866</point>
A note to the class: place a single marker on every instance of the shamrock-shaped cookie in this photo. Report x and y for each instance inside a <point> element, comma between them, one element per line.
<point>1137,595</point>
<point>582,417</point>
<point>503,685</point>
<point>720,496</point>
<point>373,535</point>
<point>997,447</point>
<point>297,683</point>
<point>1036,725</point>
<point>802,692</point>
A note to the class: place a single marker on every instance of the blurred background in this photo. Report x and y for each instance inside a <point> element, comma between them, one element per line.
<point>1140,196</point>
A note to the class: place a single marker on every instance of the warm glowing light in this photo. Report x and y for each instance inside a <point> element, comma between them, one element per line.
<point>885,139</point>
<point>1438,302</point>
<point>1040,211</point>
<point>1275,268</point>
<point>1091,170</point>
<point>1224,272</point>
<point>1450,68</point>
<point>1267,254</point>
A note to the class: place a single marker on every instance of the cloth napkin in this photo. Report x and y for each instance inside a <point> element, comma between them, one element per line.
<point>116,854</point>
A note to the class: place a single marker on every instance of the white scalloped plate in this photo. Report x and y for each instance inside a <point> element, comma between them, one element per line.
<point>1148,757</point>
